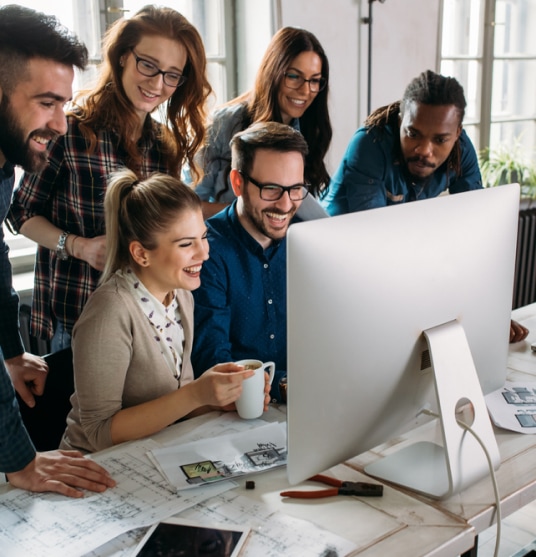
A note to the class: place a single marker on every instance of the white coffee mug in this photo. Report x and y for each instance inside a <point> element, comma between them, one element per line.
<point>250,404</point>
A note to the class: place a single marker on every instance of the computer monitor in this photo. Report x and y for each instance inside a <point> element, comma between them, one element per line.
<point>372,297</point>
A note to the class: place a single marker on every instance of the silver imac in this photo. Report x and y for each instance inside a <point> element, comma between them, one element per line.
<point>391,311</point>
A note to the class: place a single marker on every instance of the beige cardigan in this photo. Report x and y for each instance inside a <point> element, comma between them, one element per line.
<point>117,363</point>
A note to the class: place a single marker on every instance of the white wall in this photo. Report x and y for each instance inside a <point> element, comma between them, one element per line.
<point>255,29</point>
<point>404,43</point>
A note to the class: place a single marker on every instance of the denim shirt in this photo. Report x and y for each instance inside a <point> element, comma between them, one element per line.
<point>372,175</point>
<point>240,307</point>
<point>16,449</point>
<point>10,340</point>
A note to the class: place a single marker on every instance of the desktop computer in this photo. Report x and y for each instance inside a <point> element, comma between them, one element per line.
<point>392,311</point>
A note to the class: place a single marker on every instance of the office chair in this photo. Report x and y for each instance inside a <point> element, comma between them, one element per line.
<point>45,422</point>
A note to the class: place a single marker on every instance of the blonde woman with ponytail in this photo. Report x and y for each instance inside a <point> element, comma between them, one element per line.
<point>133,341</point>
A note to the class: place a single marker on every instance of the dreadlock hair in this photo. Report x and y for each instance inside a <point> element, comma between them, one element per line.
<point>428,88</point>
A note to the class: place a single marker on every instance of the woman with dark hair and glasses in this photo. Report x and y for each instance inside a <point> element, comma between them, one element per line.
<point>153,60</point>
<point>291,87</point>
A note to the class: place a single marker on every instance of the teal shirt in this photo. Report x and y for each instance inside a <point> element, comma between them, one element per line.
<point>372,175</point>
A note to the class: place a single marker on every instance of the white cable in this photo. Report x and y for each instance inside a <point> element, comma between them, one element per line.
<point>498,518</point>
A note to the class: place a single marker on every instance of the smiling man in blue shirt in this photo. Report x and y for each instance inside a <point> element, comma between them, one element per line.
<point>240,308</point>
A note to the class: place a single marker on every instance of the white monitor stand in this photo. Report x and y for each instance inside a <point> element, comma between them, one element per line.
<point>440,471</point>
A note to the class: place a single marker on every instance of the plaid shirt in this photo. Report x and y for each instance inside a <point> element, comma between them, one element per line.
<point>69,192</point>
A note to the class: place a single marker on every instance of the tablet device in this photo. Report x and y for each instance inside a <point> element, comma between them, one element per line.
<point>176,537</point>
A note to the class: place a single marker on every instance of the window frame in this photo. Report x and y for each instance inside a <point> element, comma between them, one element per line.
<point>485,59</point>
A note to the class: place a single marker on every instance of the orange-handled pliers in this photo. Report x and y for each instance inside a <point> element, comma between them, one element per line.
<point>340,488</point>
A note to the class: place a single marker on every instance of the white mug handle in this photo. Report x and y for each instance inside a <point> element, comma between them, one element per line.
<point>271,371</point>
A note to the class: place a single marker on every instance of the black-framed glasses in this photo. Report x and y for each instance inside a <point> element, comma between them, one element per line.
<point>148,69</point>
<point>274,192</point>
<point>294,80</point>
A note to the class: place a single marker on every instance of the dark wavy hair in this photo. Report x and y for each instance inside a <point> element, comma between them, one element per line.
<point>26,34</point>
<point>108,107</point>
<point>427,88</point>
<point>262,104</point>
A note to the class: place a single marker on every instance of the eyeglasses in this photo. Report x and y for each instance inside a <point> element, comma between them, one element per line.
<point>274,192</point>
<point>148,69</point>
<point>295,81</point>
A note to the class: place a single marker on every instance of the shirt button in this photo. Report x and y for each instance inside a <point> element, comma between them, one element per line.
<point>266,265</point>
<point>270,301</point>
<point>272,337</point>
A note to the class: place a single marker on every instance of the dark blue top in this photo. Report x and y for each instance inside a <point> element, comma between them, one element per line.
<point>240,308</point>
<point>10,340</point>
<point>372,175</point>
<point>16,449</point>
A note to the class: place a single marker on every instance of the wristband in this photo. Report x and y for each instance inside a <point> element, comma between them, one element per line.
<point>61,252</point>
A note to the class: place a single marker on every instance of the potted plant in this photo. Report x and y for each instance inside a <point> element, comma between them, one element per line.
<point>506,164</point>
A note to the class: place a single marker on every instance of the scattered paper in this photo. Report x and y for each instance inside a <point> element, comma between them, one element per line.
<point>224,457</point>
<point>514,406</point>
<point>272,533</point>
<point>48,524</point>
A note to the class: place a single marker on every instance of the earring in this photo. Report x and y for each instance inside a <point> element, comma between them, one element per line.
<point>121,61</point>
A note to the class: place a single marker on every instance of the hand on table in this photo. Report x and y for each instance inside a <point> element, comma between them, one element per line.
<point>65,472</point>
<point>517,332</point>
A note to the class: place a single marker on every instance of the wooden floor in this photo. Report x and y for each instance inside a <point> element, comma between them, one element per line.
<point>518,536</point>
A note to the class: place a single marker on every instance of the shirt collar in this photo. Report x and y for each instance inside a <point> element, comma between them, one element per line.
<point>246,237</point>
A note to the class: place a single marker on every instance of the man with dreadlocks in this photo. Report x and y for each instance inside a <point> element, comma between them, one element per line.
<point>409,150</point>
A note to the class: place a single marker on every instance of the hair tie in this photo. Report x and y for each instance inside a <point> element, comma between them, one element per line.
<point>126,192</point>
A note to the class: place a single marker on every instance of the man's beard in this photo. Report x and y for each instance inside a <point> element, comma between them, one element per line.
<point>255,217</point>
<point>13,145</point>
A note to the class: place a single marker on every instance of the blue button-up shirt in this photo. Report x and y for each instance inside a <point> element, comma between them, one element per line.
<point>16,449</point>
<point>240,308</point>
<point>10,340</point>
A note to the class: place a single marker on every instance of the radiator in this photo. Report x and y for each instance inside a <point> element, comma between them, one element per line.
<point>525,271</point>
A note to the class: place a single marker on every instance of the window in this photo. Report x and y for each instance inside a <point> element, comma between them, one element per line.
<point>490,47</point>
